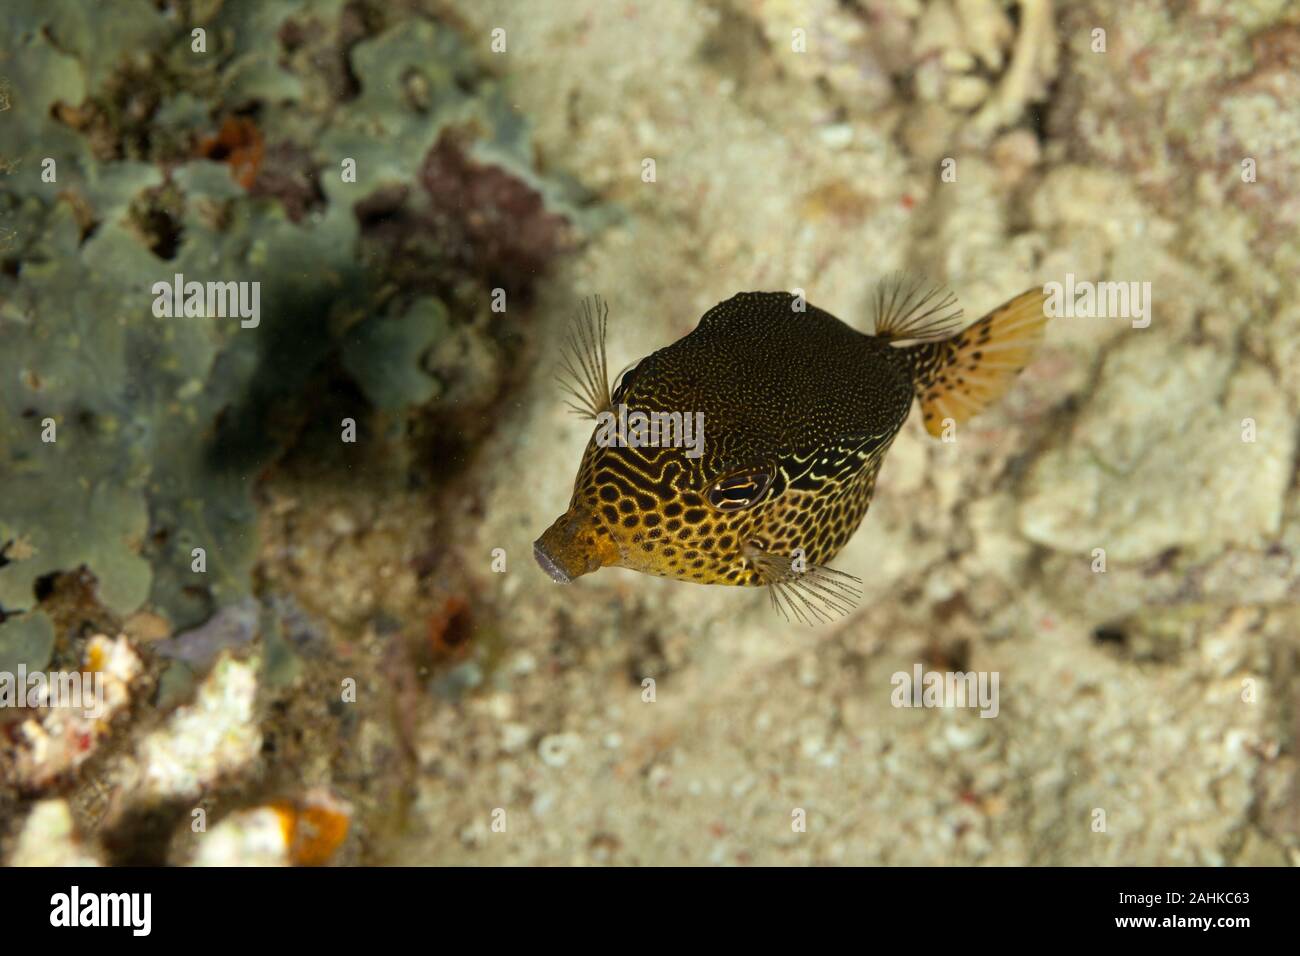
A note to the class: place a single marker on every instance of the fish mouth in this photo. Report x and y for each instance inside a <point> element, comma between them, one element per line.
<point>548,564</point>
<point>570,548</point>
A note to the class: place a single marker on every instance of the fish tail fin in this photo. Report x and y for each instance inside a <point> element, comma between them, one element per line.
<point>811,593</point>
<point>957,377</point>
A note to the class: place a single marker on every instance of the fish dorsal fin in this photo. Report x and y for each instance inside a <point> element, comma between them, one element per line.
<point>910,308</point>
<point>584,372</point>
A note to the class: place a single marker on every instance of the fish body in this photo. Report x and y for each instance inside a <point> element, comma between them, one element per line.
<point>797,410</point>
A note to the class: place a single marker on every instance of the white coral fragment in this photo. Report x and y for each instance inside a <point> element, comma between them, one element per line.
<point>214,736</point>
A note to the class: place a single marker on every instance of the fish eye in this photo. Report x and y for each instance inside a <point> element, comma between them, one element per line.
<point>739,491</point>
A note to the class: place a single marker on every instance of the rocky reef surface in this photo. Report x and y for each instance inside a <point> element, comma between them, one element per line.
<point>322,650</point>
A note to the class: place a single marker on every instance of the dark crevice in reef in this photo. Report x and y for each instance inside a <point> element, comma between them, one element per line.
<point>294,340</point>
<point>44,586</point>
<point>142,835</point>
<point>156,216</point>
<point>1044,113</point>
<point>308,431</point>
<point>1109,635</point>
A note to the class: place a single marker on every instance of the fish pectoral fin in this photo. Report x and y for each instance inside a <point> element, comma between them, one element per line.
<point>811,593</point>
<point>584,373</point>
<point>959,377</point>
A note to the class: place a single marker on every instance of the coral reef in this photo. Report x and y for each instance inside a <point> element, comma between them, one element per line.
<point>232,142</point>
<point>55,743</point>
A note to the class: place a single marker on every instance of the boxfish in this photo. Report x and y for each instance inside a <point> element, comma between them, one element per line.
<point>746,452</point>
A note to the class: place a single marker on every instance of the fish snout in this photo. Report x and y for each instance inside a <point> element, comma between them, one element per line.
<point>570,548</point>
